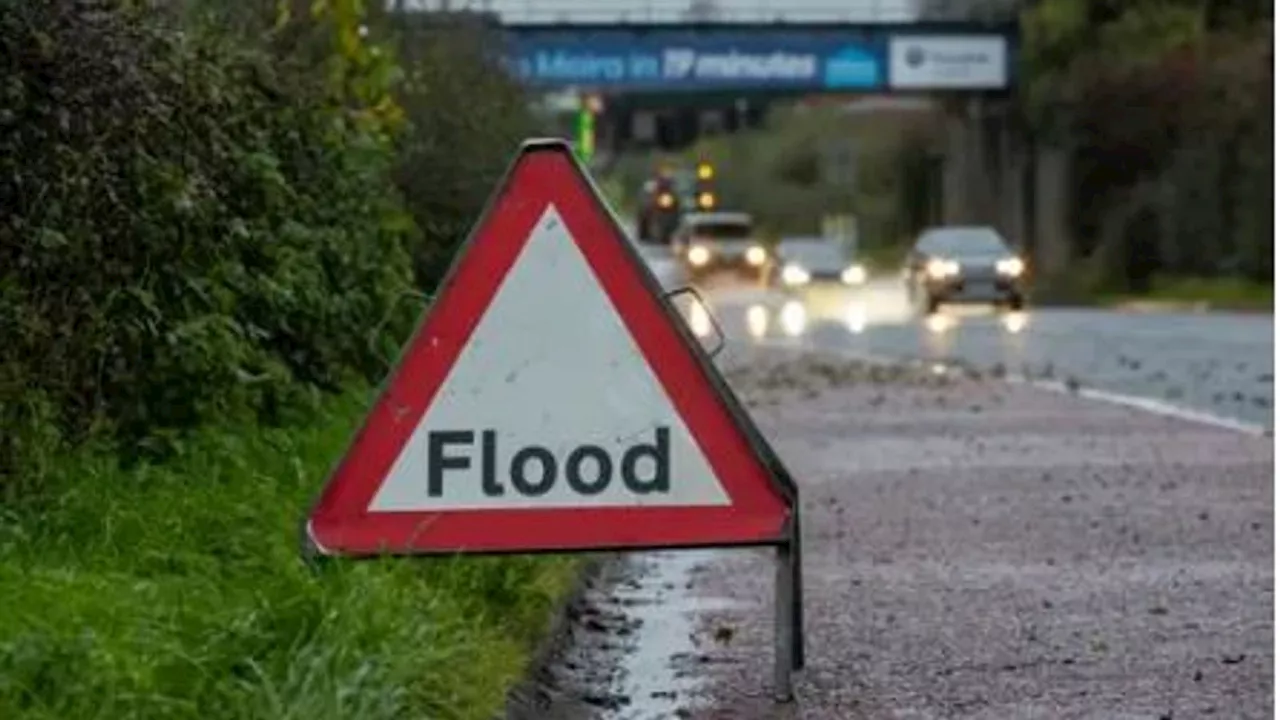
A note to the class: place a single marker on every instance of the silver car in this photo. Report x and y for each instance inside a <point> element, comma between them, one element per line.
<point>709,241</point>
<point>817,261</point>
<point>964,264</point>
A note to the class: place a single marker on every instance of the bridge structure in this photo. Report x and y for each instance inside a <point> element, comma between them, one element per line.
<point>663,72</point>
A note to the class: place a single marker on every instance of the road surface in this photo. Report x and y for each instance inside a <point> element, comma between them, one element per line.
<point>975,548</point>
<point>1217,363</point>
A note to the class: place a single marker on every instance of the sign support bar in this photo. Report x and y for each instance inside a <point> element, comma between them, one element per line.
<point>797,604</point>
<point>783,628</point>
<point>788,616</point>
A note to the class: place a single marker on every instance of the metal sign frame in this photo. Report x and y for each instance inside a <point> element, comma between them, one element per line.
<point>789,590</point>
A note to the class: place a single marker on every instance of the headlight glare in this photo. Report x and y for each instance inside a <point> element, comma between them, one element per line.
<point>854,275</point>
<point>794,275</point>
<point>939,269</point>
<point>1012,266</point>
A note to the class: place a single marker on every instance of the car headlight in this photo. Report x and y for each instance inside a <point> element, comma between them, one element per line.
<point>794,318</point>
<point>853,275</point>
<point>757,320</point>
<point>699,255</point>
<point>1011,266</point>
<point>756,255</point>
<point>794,275</point>
<point>939,269</point>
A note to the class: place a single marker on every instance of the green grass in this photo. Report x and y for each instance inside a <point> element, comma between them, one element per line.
<point>1218,293</point>
<point>175,591</point>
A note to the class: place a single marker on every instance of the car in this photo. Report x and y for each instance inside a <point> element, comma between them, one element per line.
<point>659,214</point>
<point>817,261</point>
<point>709,241</point>
<point>964,264</point>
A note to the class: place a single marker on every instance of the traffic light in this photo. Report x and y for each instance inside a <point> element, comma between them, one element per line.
<point>706,196</point>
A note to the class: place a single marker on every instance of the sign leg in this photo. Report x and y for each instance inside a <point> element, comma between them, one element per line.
<point>784,624</point>
<point>797,598</point>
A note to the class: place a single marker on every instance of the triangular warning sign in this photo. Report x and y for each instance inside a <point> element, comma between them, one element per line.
<point>551,399</point>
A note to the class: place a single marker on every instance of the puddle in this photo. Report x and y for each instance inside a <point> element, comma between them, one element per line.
<point>658,600</point>
<point>626,653</point>
<point>661,601</point>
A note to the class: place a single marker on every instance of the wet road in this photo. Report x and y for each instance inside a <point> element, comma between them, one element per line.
<point>1216,363</point>
<point>974,548</point>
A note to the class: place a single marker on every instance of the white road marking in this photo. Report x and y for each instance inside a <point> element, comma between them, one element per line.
<point>1147,404</point>
<point>1151,405</point>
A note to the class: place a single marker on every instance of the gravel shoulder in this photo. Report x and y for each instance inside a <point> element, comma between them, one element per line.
<point>974,549</point>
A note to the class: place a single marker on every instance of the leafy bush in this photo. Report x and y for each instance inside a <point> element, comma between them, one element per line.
<point>183,235</point>
<point>1174,164</point>
<point>464,119</point>
<point>1166,108</point>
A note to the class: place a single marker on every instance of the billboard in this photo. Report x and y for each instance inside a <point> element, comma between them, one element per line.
<point>948,62</point>
<point>674,61</point>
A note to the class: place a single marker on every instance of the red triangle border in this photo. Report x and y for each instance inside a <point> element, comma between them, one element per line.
<point>545,174</point>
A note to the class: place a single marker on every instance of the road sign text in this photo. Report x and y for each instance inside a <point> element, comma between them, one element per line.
<point>532,470</point>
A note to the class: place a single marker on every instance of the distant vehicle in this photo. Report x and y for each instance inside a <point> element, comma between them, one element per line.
<point>807,261</point>
<point>709,241</point>
<point>686,188</point>
<point>964,264</point>
<point>660,210</point>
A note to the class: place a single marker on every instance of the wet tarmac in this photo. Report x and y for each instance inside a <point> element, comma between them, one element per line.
<point>630,648</point>
<point>1219,363</point>
<point>974,548</point>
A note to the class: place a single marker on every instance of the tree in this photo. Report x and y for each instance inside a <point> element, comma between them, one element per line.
<point>1159,102</point>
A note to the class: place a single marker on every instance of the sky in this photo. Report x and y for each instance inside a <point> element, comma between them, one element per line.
<point>670,10</point>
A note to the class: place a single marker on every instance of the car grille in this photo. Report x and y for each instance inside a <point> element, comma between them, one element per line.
<point>979,272</point>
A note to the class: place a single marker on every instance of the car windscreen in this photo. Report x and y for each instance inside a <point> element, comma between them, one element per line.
<point>721,230</point>
<point>962,241</point>
<point>814,253</point>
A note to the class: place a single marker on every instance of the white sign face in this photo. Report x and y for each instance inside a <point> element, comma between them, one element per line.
<point>551,404</point>
<point>925,62</point>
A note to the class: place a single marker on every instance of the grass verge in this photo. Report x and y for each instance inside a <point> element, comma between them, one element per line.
<point>1215,293</point>
<point>175,591</point>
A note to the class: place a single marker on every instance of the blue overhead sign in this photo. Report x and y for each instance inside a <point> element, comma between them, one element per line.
<point>850,58</point>
<point>668,61</point>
